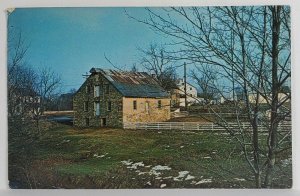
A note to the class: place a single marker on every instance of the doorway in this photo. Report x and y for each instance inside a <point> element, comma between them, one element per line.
<point>103,122</point>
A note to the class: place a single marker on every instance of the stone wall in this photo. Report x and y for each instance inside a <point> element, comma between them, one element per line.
<point>113,117</point>
<point>142,114</point>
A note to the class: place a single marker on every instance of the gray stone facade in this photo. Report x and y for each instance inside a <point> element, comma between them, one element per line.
<point>85,100</point>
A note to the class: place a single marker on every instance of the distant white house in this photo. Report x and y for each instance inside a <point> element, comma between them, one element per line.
<point>282,97</point>
<point>191,93</point>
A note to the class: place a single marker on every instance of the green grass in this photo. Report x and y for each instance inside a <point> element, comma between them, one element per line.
<point>66,158</point>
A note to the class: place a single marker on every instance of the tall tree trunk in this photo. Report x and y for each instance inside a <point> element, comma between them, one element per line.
<point>272,139</point>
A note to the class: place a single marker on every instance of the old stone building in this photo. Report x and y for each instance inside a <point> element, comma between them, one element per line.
<point>110,98</point>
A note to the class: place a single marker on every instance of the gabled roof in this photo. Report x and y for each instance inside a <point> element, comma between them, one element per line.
<point>180,81</point>
<point>133,84</point>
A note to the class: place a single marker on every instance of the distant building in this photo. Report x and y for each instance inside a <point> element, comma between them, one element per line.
<point>282,97</point>
<point>29,105</point>
<point>111,98</point>
<point>178,95</point>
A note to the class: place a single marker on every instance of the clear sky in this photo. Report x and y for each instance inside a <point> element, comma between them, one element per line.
<point>72,40</point>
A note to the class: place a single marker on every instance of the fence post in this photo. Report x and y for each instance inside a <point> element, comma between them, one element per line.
<point>212,126</point>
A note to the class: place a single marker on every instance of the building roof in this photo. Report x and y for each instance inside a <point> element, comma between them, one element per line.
<point>180,81</point>
<point>133,84</point>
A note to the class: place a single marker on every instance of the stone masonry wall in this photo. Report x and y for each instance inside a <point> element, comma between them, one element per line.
<point>113,117</point>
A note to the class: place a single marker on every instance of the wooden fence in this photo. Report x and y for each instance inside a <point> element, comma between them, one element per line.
<point>195,126</point>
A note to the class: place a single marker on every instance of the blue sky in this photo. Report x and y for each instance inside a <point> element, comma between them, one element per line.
<point>72,40</point>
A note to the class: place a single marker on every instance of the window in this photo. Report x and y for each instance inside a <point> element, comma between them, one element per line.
<point>106,88</point>
<point>159,104</point>
<point>86,106</point>
<point>97,91</point>
<point>97,108</point>
<point>87,89</point>
<point>134,105</point>
<point>109,106</point>
<point>87,122</point>
<point>120,107</point>
<point>191,88</point>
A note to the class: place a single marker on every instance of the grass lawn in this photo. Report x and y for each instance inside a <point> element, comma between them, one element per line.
<point>116,158</point>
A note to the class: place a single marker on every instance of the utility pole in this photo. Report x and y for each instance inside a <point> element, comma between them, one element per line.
<point>185,97</point>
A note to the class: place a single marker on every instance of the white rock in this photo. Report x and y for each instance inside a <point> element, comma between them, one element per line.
<point>204,181</point>
<point>189,177</point>
<point>181,175</point>
<point>126,162</point>
<point>161,167</point>
<point>239,179</point>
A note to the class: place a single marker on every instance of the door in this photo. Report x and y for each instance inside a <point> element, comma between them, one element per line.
<point>103,122</point>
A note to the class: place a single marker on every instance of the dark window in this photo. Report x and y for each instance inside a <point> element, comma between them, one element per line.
<point>106,86</point>
<point>86,106</point>
<point>120,106</point>
<point>18,109</point>
<point>191,88</point>
<point>134,105</point>
<point>88,89</point>
<point>159,104</point>
<point>87,122</point>
<point>109,106</point>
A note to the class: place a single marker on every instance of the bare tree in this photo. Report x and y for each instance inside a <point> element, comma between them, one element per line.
<point>155,61</point>
<point>20,77</point>
<point>206,78</point>
<point>251,47</point>
<point>47,87</point>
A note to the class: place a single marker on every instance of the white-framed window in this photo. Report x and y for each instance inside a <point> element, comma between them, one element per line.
<point>97,108</point>
<point>97,91</point>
